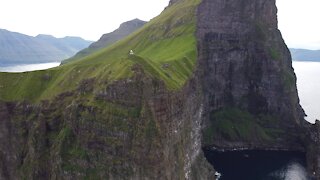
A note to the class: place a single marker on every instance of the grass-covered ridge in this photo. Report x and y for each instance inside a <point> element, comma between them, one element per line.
<point>165,47</point>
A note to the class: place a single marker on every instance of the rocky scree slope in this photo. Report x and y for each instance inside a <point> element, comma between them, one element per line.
<point>106,40</point>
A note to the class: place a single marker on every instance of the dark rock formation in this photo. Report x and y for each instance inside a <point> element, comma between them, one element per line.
<point>135,129</point>
<point>246,65</point>
<point>313,149</point>
<point>242,95</point>
<point>248,82</point>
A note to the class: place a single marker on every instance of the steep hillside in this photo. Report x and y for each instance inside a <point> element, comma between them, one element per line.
<point>123,31</point>
<point>172,32</point>
<point>210,73</point>
<point>305,55</point>
<point>16,48</point>
<point>111,114</point>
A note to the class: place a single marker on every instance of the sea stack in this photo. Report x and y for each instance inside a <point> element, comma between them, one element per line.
<point>204,74</point>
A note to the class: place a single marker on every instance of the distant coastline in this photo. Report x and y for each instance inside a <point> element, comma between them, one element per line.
<point>305,55</point>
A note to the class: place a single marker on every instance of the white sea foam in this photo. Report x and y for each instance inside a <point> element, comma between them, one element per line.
<point>295,171</point>
<point>292,171</point>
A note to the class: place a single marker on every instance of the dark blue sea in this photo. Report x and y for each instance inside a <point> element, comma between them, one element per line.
<point>259,165</point>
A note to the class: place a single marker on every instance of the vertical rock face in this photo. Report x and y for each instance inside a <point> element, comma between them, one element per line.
<point>245,63</point>
<point>129,128</point>
<point>248,83</point>
<point>313,149</point>
<point>242,95</point>
<point>138,130</point>
<point>248,63</point>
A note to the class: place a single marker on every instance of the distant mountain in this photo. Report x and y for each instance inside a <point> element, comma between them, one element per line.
<point>123,31</point>
<point>70,45</point>
<point>203,75</point>
<point>305,54</point>
<point>17,48</point>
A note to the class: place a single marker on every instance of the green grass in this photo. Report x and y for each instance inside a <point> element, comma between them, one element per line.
<point>167,40</point>
<point>234,124</point>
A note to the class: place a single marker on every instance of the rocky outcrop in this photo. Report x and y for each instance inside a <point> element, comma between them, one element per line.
<point>134,129</point>
<point>242,95</point>
<point>245,65</point>
<point>313,149</point>
<point>248,82</point>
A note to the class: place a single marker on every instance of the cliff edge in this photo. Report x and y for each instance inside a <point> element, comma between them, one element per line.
<point>210,73</point>
<point>248,83</point>
<point>246,71</point>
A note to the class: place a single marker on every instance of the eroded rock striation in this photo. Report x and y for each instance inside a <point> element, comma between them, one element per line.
<point>246,68</point>
<point>241,95</point>
<point>249,85</point>
<point>135,129</point>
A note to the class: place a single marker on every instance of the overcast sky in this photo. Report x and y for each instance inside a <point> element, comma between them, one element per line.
<point>298,19</point>
<point>299,22</point>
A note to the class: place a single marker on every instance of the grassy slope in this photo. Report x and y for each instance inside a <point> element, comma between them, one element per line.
<point>166,48</point>
<point>236,125</point>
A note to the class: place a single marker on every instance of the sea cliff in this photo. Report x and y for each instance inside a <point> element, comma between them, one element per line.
<point>210,73</point>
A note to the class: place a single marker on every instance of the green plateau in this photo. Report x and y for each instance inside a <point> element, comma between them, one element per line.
<point>165,48</point>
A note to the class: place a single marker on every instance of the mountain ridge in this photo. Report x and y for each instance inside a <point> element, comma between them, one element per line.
<point>299,54</point>
<point>125,29</point>
<point>18,48</point>
<point>131,96</point>
<point>207,73</point>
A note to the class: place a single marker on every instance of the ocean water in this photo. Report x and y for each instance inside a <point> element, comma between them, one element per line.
<point>27,67</point>
<point>308,75</point>
<point>308,82</point>
<point>259,165</point>
<point>273,165</point>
